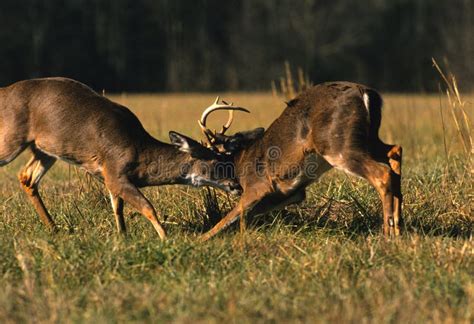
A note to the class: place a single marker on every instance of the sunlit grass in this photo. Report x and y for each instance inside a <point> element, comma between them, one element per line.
<point>324,260</point>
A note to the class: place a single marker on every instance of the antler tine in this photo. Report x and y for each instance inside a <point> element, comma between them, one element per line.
<point>216,106</point>
<point>229,122</point>
<point>208,133</point>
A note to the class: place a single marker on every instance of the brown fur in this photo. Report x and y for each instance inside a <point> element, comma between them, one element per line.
<point>59,118</point>
<point>326,126</point>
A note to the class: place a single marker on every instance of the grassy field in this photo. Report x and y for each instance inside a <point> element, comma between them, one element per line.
<point>324,260</point>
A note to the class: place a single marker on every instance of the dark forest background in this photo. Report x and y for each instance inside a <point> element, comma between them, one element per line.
<point>171,45</point>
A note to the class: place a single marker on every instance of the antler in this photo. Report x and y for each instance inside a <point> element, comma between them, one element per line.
<point>210,135</point>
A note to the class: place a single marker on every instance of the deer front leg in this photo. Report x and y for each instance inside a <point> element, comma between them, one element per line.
<point>117,206</point>
<point>246,203</point>
<point>130,194</point>
<point>30,177</point>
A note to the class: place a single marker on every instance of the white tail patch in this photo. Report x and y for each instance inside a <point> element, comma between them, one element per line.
<point>365,98</point>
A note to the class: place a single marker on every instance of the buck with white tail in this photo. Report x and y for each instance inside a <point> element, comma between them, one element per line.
<point>330,125</point>
<point>58,118</point>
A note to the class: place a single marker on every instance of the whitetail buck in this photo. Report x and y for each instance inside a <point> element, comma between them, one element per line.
<point>59,118</point>
<point>330,125</point>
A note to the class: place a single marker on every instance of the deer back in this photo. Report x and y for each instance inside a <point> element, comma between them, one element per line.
<point>326,121</point>
<point>69,120</point>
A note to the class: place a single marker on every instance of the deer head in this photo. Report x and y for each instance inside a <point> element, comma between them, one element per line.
<point>206,167</point>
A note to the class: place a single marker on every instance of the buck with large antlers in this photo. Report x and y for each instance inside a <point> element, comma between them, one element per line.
<point>59,118</point>
<point>330,125</point>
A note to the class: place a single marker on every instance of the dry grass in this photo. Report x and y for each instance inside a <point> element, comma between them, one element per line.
<point>322,261</point>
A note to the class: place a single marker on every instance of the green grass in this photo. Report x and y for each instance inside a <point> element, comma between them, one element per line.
<point>324,260</point>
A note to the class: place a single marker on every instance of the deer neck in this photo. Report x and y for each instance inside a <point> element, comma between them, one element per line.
<point>161,163</point>
<point>246,159</point>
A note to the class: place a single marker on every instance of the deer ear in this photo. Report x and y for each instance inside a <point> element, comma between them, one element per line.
<point>188,145</point>
<point>181,141</point>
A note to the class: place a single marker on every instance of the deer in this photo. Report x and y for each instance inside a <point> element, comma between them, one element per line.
<point>63,119</point>
<point>331,125</point>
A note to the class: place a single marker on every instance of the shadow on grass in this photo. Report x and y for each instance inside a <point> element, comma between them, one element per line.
<point>348,217</point>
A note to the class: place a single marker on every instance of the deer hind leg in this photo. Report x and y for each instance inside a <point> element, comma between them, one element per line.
<point>117,206</point>
<point>129,193</point>
<point>380,176</point>
<point>394,156</point>
<point>30,177</point>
